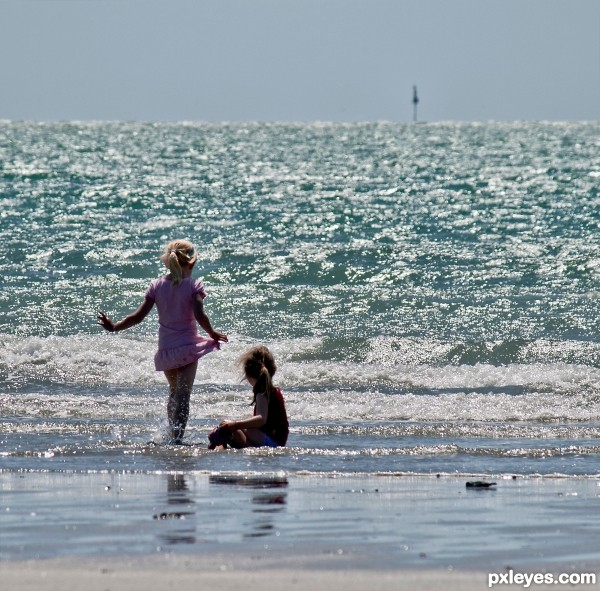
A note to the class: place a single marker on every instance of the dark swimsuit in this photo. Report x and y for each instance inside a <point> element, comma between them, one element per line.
<point>277,425</point>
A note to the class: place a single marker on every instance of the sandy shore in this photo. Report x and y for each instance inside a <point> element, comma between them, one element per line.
<point>190,573</point>
<point>102,578</point>
<point>111,531</point>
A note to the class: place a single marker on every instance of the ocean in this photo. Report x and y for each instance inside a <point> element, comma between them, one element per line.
<point>430,293</point>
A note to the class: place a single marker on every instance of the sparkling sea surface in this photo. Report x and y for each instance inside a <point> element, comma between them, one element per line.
<point>430,292</point>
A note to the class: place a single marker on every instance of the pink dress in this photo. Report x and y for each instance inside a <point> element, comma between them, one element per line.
<point>179,343</point>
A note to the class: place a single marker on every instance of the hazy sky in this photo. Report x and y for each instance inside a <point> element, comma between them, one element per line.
<point>349,60</point>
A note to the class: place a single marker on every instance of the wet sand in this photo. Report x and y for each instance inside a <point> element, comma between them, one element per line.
<point>146,531</point>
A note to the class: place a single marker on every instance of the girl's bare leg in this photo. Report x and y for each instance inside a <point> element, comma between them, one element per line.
<point>247,438</point>
<point>180,381</point>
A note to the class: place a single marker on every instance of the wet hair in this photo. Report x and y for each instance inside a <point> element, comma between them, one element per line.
<point>258,363</point>
<point>176,255</point>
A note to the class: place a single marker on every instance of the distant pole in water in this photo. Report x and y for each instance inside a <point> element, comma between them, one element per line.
<point>415,103</point>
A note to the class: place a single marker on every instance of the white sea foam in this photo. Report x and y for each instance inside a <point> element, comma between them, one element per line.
<point>127,360</point>
<point>315,390</point>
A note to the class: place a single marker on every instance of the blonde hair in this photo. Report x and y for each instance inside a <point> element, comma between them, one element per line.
<point>258,363</point>
<point>176,255</point>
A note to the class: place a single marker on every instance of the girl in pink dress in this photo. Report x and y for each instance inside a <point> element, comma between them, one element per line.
<point>179,300</point>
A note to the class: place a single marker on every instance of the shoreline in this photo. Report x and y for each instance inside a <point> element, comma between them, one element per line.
<point>278,521</point>
<point>101,575</point>
<point>192,571</point>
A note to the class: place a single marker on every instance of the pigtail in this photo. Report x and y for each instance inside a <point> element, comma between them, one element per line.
<point>174,267</point>
<point>178,254</point>
<point>258,363</point>
<point>263,384</point>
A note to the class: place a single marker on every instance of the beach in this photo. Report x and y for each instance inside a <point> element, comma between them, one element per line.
<point>429,293</point>
<point>102,576</point>
<point>129,531</point>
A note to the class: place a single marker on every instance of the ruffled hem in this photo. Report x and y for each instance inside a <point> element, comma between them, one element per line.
<point>166,359</point>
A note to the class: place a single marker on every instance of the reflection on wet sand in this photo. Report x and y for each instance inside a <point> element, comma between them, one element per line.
<point>268,498</point>
<point>256,500</point>
<point>183,530</point>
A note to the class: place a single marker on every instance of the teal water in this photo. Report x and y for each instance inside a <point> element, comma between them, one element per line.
<point>430,291</point>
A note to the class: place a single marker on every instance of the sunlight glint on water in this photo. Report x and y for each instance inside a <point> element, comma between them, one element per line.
<point>430,292</point>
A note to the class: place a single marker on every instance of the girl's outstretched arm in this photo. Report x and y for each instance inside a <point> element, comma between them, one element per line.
<point>134,318</point>
<point>204,322</point>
